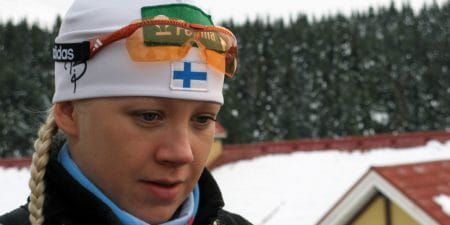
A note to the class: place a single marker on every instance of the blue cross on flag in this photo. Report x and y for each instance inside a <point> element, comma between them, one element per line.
<point>189,76</point>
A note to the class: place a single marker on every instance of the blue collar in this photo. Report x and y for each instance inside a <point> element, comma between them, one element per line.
<point>188,211</point>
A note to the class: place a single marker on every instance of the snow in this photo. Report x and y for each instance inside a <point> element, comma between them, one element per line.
<point>288,189</point>
<point>13,188</point>
<point>380,117</point>
<point>444,202</point>
<point>299,188</point>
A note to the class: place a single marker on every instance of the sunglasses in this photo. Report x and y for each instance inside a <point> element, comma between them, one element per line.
<point>152,40</point>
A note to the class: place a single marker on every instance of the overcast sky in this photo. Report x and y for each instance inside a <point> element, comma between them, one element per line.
<point>45,11</point>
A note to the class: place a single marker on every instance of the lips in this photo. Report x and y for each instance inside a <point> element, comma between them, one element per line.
<point>162,189</point>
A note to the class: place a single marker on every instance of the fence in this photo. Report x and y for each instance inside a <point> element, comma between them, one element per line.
<point>237,152</point>
<point>19,163</point>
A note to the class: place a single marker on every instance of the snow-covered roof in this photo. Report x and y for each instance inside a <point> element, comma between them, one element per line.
<point>413,187</point>
<point>421,182</point>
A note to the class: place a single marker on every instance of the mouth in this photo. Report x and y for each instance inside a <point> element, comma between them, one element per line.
<point>162,189</point>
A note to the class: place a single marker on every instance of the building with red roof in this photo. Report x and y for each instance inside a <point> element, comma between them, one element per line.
<point>395,195</point>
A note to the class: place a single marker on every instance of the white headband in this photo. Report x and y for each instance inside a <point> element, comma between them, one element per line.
<point>112,73</point>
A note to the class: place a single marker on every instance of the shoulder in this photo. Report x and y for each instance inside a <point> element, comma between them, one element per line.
<point>227,218</point>
<point>18,216</point>
<point>211,205</point>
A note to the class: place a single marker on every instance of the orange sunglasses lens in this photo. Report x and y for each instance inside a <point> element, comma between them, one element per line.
<point>163,42</point>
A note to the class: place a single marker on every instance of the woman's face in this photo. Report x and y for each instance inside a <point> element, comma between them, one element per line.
<point>146,154</point>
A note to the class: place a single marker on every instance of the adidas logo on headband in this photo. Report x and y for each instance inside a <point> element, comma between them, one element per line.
<point>71,52</point>
<point>63,54</point>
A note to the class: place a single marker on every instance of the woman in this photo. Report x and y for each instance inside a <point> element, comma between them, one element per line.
<point>138,86</point>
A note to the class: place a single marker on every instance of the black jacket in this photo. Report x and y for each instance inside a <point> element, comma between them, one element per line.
<point>68,203</point>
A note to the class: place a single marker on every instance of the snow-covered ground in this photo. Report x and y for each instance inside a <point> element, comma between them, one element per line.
<point>289,189</point>
<point>13,188</point>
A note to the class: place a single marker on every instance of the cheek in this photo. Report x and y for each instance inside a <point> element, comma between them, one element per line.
<point>202,145</point>
<point>107,141</point>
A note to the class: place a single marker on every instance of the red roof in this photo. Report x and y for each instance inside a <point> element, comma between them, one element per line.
<point>421,182</point>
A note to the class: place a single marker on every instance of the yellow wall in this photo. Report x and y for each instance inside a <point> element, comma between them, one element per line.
<point>216,150</point>
<point>374,214</point>
<point>400,217</point>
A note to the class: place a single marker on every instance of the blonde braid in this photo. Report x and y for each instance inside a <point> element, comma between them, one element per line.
<point>42,147</point>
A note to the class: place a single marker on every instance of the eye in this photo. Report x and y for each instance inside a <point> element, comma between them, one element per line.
<point>204,120</point>
<point>149,117</point>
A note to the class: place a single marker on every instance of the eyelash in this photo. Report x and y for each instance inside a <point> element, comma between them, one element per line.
<point>208,119</point>
<point>143,116</point>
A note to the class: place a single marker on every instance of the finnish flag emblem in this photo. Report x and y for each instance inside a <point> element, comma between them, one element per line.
<point>189,76</point>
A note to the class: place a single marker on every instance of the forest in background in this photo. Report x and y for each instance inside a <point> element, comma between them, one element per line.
<point>380,71</point>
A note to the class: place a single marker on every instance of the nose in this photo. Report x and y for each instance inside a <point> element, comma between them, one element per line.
<point>175,148</point>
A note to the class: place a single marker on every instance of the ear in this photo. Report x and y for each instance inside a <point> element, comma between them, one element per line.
<point>64,114</point>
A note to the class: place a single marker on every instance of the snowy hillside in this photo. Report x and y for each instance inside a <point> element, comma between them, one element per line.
<point>294,189</point>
